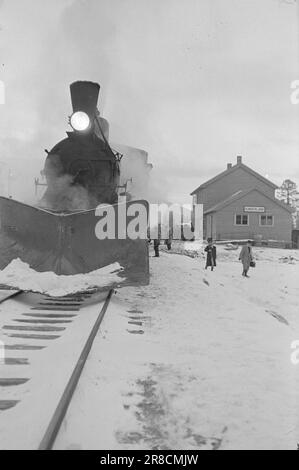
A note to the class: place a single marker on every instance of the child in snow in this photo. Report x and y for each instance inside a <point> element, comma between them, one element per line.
<point>210,249</point>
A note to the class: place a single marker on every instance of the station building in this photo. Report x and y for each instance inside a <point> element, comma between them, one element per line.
<point>240,204</point>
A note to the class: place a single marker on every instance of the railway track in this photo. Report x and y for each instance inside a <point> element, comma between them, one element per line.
<point>8,294</point>
<point>36,329</point>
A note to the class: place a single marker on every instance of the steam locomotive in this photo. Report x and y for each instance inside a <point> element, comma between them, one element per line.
<point>81,172</point>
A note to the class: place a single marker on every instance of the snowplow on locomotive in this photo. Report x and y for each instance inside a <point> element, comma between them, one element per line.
<point>82,172</point>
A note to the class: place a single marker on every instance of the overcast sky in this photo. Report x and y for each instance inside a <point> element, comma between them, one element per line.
<point>193,82</point>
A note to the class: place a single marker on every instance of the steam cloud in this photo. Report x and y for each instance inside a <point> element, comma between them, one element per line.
<point>64,196</point>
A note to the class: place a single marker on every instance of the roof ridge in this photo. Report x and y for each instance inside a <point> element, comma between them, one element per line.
<point>231,170</point>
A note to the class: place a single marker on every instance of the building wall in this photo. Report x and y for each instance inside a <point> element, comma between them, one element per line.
<point>223,221</point>
<point>230,184</point>
<point>210,229</point>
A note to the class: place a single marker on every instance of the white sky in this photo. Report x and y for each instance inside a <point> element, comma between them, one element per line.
<point>193,82</point>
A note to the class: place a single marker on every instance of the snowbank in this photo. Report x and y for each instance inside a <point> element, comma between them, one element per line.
<point>226,253</point>
<point>19,275</point>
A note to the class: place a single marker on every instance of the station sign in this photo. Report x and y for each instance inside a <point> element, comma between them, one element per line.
<point>254,209</point>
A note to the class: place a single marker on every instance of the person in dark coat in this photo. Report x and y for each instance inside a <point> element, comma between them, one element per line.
<point>210,249</point>
<point>168,243</point>
<point>246,257</point>
<point>156,247</point>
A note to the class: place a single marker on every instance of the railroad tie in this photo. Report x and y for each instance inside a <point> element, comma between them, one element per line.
<point>6,404</point>
<point>10,382</point>
<point>33,328</point>
<point>58,309</point>
<point>15,361</point>
<point>61,304</point>
<point>41,321</point>
<point>34,336</point>
<point>49,315</point>
<point>22,347</point>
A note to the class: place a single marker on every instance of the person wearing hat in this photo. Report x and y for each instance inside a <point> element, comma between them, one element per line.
<point>210,249</point>
<point>246,257</point>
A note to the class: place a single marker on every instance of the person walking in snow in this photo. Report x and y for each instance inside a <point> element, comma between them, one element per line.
<point>168,243</point>
<point>156,247</point>
<point>210,249</point>
<point>246,257</point>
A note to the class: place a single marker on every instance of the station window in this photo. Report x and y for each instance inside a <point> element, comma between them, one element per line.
<point>241,219</point>
<point>267,220</point>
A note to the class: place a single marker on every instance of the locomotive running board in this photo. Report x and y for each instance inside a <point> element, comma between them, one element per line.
<point>66,243</point>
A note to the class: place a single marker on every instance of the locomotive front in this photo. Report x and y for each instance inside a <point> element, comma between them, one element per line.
<point>82,171</point>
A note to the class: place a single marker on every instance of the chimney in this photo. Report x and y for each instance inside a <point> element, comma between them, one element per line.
<point>239,159</point>
<point>84,96</point>
<point>229,165</point>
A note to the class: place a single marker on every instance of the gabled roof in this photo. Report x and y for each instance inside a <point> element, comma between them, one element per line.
<point>231,170</point>
<point>238,195</point>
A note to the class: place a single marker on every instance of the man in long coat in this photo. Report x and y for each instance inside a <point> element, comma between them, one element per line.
<point>246,257</point>
<point>210,249</point>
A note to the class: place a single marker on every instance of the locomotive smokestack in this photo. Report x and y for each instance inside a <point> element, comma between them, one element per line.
<point>84,96</point>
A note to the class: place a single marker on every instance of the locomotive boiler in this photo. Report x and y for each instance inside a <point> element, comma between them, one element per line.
<point>81,172</point>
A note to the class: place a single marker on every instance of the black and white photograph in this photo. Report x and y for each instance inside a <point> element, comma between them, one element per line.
<point>149,228</point>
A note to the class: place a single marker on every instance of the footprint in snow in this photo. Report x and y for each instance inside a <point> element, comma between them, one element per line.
<point>206,282</point>
<point>138,323</point>
<point>136,332</point>
<point>278,317</point>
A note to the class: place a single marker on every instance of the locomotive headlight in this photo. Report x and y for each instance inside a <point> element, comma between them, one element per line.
<point>80,121</point>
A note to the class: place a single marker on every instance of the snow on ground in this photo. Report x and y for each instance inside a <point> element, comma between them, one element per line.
<point>48,369</point>
<point>195,360</point>
<point>19,275</point>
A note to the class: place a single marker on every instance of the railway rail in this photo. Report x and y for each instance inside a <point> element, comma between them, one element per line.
<point>56,421</point>
<point>8,294</point>
<point>48,320</point>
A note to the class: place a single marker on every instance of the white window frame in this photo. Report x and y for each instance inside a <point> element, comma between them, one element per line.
<point>241,225</point>
<point>266,225</point>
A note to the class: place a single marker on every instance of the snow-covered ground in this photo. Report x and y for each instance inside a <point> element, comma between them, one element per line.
<point>47,369</point>
<point>195,360</point>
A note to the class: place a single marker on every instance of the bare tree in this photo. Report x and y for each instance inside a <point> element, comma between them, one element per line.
<point>287,189</point>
